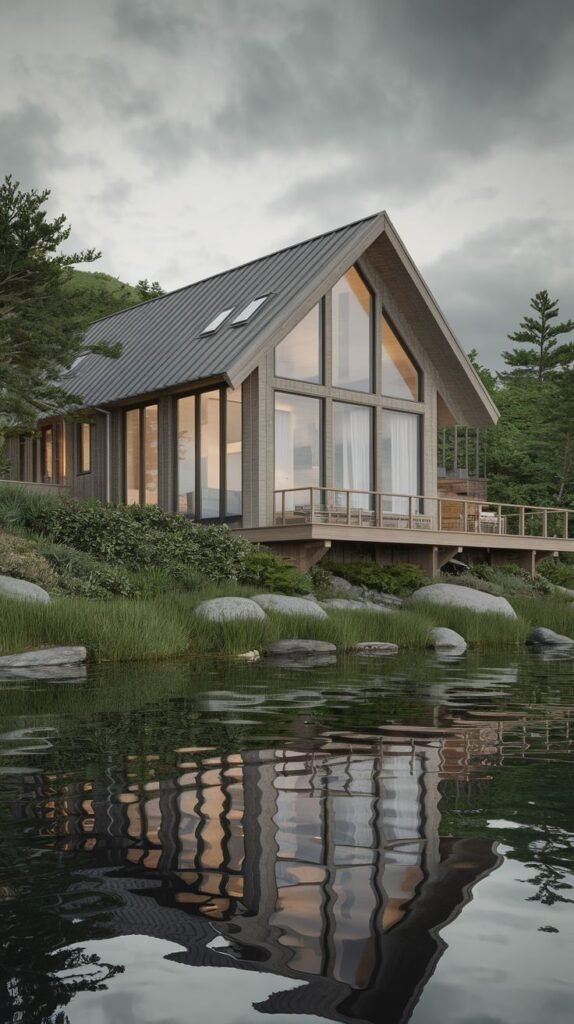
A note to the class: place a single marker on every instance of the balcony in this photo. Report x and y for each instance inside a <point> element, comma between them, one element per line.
<point>418,514</point>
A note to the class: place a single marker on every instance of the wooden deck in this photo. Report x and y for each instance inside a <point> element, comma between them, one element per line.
<point>418,528</point>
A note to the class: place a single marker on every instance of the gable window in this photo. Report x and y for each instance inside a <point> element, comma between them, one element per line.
<point>84,447</point>
<point>353,450</point>
<point>401,469</point>
<point>141,455</point>
<point>209,454</point>
<point>299,355</point>
<point>400,376</point>
<point>298,444</point>
<point>352,333</point>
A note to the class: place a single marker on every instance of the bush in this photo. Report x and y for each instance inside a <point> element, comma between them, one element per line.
<point>263,568</point>
<point>558,571</point>
<point>400,579</point>
<point>504,581</point>
<point>81,575</point>
<point>21,559</point>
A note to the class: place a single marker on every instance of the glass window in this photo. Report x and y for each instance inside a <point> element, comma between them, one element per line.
<point>84,441</point>
<point>150,414</point>
<point>249,311</point>
<point>47,455</point>
<point>61,453</point>
<point>297,441</point>
<point>298,356</point>
<point>399,374</point>
<point>217,321</point>
<point>353,450</point>
<point>209,455</point>
<point>401,459</point>
<point>186,456</point>
<point>133,456</point>
<point>352,333</point>
<point>233,453</point>
<point>22,449</point>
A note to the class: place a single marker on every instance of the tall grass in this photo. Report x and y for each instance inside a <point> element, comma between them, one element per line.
<point>119,630</point>
<point>167,626</point>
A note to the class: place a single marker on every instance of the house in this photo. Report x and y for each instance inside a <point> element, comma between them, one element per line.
<point>298,398</point>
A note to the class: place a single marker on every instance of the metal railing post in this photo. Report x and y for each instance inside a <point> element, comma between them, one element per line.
<point>545,523</point>
<point>311,505</point>
<point>348,508</point>
<point>283,508</point>
<point>500,519</point>
<point>410,511</point>
<point>521,521</point>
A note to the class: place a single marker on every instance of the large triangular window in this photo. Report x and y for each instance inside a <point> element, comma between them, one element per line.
<point>400,375</point>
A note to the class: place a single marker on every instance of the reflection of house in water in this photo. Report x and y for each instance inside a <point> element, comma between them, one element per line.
<point>322,863</point>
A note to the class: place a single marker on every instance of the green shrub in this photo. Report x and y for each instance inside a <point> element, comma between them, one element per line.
<point>558,571</point>
<point>503,581</point>
<point>264,569</point>
<point>400,579</point>
<point>21,559</point>
<point>80,574</point>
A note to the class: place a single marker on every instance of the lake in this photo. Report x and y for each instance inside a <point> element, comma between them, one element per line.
<point>383,840</point>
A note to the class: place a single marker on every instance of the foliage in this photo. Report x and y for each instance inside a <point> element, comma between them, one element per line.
<point>401,579</point>
<point>21,559</point>
<point>544,355</point>
<point>264,569</point>
<point>503,581</point>
<point>40,328</point>
<point>558,571</point>
<point>80,574</point>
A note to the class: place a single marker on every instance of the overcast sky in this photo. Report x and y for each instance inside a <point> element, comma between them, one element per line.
<point>181,137</point>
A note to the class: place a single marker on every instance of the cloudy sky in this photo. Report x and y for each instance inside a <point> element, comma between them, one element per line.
<point>181,137</point>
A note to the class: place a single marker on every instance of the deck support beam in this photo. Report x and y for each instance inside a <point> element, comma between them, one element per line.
<point>302,554</point>
<point>527,560</point>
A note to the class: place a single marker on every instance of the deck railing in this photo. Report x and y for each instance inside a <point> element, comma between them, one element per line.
<point>419,512</point>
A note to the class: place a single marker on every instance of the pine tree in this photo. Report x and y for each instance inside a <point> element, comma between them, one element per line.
<point>545,355</point>
<point>41,323</point>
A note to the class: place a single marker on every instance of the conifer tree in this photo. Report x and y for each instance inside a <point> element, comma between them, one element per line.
<point>545,355</point>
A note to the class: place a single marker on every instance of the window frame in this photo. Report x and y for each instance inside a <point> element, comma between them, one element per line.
<point>44,431</point>
<point>320,306</point>
<point>322,435</point>
<point>415,363</point>
<point>80,469</point>
<point>222,516</point>
<point>140,409</point>
<point>372,389</point>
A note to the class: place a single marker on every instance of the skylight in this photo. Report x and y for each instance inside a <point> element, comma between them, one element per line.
<point>248,312</point>
<point>217,321</point>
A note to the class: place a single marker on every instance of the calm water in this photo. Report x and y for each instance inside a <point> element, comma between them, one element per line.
<point>381,841</point>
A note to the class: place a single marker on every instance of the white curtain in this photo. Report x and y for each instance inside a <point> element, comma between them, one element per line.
<point>352,428</point>
<point>400,458</point>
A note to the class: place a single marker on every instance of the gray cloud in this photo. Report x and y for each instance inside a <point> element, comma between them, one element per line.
<point>29,144</point>
<point>485,286</point>
<point>166,27</point>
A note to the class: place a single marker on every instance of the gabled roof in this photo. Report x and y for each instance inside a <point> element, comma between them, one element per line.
<point>163,347</point>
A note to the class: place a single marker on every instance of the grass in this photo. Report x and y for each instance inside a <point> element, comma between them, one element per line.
<point>166,627</point>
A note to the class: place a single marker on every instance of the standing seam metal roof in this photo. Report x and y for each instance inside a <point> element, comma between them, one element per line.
<point>161,340</point>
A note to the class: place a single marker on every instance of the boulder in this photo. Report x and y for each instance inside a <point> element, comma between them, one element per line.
<point>388,600</point>
<point>548,637</point>
<point>43,657</point>
<point>289,605</point>
<point>462,597</point>
<point>229,609</point>
<point>353,606</point>
<point>375,648</point>
<point>46,673</point>
<point>299,648</point>
<point>344,588</point>
<point>441,638</point>
<point>22,590</point>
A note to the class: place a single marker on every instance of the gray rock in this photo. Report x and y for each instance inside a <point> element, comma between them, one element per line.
<point>299,648</point>
<point>45,656</point>
<point>441,638</point>
<point>354,606</point>
<point>344,588</point>
<point>229,609</point>
<point>47,673</point>
<point>22,590</point>
<point>388,600</point>
<point>548,637</point>
<point>289,605</point>
<point>288,661</point>
<point>462,597</point>
<point>375,648</point>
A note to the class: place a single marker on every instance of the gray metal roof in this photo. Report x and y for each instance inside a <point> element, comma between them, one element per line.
<point>161,340</point>
<point>163,347</point>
